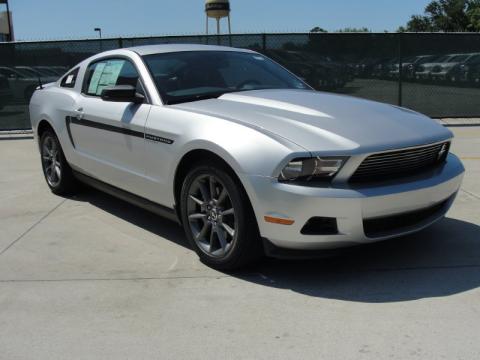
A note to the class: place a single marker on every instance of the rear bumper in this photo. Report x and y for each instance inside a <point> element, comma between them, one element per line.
<point>354,208</point>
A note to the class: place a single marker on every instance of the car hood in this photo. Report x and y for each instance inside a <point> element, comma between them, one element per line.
<point>323,122</point>
<point>443,64</point>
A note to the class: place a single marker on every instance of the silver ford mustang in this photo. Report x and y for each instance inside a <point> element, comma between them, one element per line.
<point>245,155</point>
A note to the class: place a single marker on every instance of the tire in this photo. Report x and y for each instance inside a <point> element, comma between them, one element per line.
<point>223,231</point>
<point>57,171</point>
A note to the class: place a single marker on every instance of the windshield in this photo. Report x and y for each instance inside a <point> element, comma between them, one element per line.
<point>196,75</point>
<point>459,58</point>
<point>444,58</point>
<point>425,59</point>
<point>27,72</point>
<point>473,60</point>
<point>47,72</point>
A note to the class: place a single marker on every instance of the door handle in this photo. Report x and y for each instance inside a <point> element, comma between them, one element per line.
<point>79,113</point>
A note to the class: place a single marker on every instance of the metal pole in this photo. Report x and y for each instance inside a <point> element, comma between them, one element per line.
<point>218,26</point>
<point>207,23</point>
<point>10,35</point>
<point>400,70</point>
<point>229,32</point>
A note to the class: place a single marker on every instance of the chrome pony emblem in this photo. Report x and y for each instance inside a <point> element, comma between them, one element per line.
<point>442,152</point>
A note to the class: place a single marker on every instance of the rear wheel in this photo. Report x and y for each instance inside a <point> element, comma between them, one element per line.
<point>218,219</point>
<point>58,173</point>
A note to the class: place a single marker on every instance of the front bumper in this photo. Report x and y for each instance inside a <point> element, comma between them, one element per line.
<point>440,76</point>
<point>423,75</point>
<point>351,206</point>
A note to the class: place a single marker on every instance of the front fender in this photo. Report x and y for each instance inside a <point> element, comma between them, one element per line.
<point>245,149</point>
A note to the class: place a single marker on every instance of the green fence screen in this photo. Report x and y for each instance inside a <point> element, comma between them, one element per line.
<point>434,73</point>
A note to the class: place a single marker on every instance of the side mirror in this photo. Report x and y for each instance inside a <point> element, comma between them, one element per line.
<point>122,93</point>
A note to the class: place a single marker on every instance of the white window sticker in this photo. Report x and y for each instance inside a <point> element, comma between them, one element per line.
<point>110,75</point>
<point>256,57</point>
<point>92,87</point>
<point>69,79</point>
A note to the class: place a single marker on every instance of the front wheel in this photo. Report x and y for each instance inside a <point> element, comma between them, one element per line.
<point>218,219</point>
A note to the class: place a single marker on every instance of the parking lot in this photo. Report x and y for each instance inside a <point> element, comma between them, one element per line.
<point>432,99</point>
<point>91,277</point>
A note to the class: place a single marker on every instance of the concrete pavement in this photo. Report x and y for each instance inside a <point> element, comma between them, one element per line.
<point>91,277</point>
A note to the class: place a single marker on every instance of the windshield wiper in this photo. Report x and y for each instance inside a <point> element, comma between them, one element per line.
<point>195,98</point>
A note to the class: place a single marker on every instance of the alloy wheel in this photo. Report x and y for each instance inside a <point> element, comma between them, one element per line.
<point>211,216</point>
<point>51,161</point>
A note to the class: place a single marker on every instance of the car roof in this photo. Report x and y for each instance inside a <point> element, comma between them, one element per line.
<point>167,48</point>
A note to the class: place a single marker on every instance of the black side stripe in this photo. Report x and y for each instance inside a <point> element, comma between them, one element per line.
<point>97,125</point>
<point>111,128</point>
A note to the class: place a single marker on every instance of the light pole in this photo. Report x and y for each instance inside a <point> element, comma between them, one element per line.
<point>99,30</point>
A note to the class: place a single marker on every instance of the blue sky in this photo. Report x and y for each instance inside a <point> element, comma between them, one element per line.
<point>57,19</point>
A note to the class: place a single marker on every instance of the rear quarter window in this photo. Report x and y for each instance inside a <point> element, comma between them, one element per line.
<point>69,80</point>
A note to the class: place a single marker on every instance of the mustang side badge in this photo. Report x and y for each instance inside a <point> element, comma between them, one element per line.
<point>158,139</point>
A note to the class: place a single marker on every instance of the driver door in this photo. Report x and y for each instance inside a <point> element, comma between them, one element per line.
<point>109,136</point>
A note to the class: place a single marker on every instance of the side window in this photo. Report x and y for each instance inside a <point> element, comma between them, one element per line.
<point>8,73</point>
<point>110,72</point>
<point>70,79</point>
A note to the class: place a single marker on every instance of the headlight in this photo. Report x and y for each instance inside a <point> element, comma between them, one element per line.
<point>312,169</point>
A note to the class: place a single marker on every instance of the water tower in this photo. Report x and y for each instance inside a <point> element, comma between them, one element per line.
<point>218,9</point>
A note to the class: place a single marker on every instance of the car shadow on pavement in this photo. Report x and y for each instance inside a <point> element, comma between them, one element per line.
<point>144,219</point>
<point>13,137</point>
<point>440,261</point>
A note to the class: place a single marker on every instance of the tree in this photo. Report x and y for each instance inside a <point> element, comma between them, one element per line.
<point>318,29</point>
<point>474,18</point>
<point>353,30</point>
<point>418,23</point>
<point>447,16</point>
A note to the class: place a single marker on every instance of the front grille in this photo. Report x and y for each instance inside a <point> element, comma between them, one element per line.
<point>400,163</point>
<point>389,225</point>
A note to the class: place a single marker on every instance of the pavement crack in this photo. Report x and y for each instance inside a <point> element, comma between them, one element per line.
<point>242,276</point>
<point>471,194</point>
<point>32,227</point>
<point>217,277</point>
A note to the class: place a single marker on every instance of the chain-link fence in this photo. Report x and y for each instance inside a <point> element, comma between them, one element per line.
<point>437,74</point>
